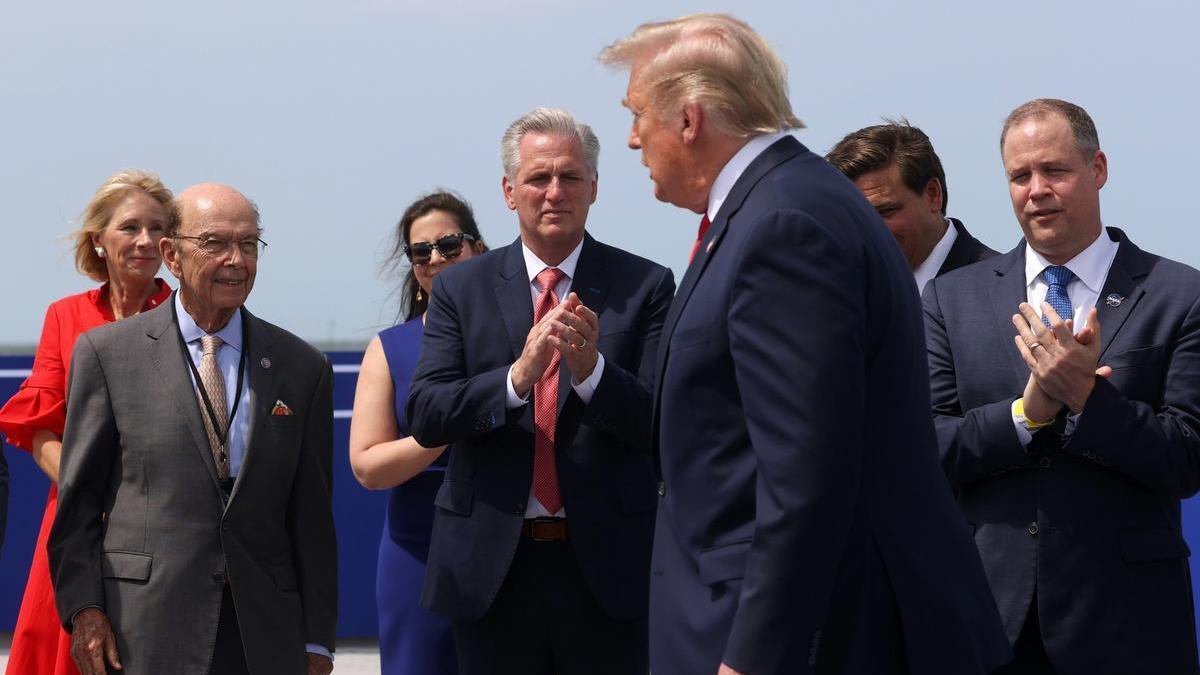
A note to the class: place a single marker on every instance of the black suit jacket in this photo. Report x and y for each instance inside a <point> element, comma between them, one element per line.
<point>966,250</point>
<point>476,328</point>
<point>1089,520</point>
<point>805,525</point>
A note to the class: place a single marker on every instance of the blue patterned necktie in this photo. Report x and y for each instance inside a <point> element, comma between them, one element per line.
<point>1058,277</point>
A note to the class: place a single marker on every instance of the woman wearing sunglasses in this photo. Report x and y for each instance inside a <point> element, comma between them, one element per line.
<point>436,231</point>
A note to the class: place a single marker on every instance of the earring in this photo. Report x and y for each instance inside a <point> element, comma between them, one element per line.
<point>100,253</point>
<point>420,295</point>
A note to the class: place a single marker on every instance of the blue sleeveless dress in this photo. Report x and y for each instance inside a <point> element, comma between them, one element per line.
<point>411,638</point>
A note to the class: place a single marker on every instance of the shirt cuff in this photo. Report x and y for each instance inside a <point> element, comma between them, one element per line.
<point>314,648</point>
<point>511,400</point>
<point>1023,434</point>
<point>587,388</point>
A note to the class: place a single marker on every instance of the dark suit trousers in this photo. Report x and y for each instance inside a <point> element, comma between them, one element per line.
<point>1030,651</point>
<point>228,656</point>
<point>545,621</point>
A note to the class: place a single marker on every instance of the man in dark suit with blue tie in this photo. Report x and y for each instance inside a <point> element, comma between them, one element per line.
<point>535,367</point>
<point>804,525</point>
<point>1066,395</point>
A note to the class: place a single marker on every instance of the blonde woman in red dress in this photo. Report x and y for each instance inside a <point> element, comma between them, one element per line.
<point>117,245</point>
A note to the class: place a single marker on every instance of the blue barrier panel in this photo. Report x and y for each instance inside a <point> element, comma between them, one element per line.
<point>357,511</point>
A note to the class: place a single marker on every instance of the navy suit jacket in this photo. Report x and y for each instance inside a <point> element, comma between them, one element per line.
<point>966,250</point>
<point>805,525</point>
<point>1090,519</point>
<point>3,492</point>
<point>476,328</point>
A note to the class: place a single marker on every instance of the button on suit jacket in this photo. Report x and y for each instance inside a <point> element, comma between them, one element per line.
<point>479,318</point>
<point>143,528</point>
<point>805,526</point>
<point>1089,519</point>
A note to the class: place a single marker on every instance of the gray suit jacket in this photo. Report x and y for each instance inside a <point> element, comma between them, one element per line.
<point>143,528</point>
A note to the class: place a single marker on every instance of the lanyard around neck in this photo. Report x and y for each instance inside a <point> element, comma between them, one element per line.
<point>222,434</point>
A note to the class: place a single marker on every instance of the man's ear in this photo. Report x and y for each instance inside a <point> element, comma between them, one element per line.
<point>507,187</point>
<point>692,122</point>
<point>170,255</point>
<point>934,196</point>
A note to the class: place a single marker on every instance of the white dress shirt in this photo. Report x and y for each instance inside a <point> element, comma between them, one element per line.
<point>1090,268</point>
<point>734,169</point>
<point>928,269</point>
<point>585,389</point>
<point>228,356</point>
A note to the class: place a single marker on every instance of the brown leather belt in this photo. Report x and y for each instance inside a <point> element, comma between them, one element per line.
<point>545,529</point>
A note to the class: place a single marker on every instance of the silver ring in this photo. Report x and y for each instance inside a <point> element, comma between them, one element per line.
<point>1034,345</point>
<point>582,344</point>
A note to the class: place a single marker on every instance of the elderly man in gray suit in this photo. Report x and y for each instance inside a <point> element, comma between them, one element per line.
<point>194,531</point>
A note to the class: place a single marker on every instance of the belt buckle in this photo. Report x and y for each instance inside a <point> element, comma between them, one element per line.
<point>536,528</point>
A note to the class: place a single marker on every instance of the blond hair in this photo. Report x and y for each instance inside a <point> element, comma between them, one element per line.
<point>100,210</point>
<point>714,60</point>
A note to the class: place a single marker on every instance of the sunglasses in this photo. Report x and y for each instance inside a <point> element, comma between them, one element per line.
<point>450,246</point>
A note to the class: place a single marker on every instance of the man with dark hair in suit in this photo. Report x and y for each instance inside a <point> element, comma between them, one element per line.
<point>535,366</point>
<point>194,531</point>
<point>1066,396</point>
<point>804,526</point>
<point>902,177</point>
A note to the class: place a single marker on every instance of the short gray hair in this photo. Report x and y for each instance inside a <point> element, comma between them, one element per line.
<point>555,121</point>
<point>1087,142</point>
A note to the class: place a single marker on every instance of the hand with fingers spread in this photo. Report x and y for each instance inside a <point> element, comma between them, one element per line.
<point>93,643</point>
<point>1063,364</point>
<point>576,337</point>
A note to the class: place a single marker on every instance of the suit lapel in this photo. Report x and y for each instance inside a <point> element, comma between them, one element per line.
<point>1008,291</point>
<point>260,379</point>
<point>591,285</point>
<point>514,298</point>
<point>1122,289</point>
<point>167,354</point>
<point>779,152</point>
<point>960,251</point>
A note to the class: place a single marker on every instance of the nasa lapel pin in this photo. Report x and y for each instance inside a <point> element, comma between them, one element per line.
<point>265,363</point>
<point>1114,300</point>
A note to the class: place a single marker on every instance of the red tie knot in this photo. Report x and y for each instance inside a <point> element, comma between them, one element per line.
<point>548,278</point>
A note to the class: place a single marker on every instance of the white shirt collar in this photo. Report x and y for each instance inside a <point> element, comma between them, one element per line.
<point>933,262</point>
<point>231,334</point>
<point>1090,266</point>
<point>534,265</point>
<point>735,167</point>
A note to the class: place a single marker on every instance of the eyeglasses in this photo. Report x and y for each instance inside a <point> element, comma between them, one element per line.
<point>217,247</point>
<point>450,246</point>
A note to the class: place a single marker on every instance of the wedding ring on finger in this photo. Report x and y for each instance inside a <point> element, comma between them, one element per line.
<point>1034,345</point>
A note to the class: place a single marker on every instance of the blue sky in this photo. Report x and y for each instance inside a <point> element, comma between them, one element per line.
<point>334,115</point>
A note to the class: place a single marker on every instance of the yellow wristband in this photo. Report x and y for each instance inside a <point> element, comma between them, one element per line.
<point>1018,410</point>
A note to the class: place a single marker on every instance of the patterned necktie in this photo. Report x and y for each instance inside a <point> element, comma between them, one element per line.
<point>1058,277</point>
<point>545,404</point>
<point>214,385</point>
<point>704,223</point>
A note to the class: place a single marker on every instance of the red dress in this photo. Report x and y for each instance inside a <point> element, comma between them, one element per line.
<point>40,645</point>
